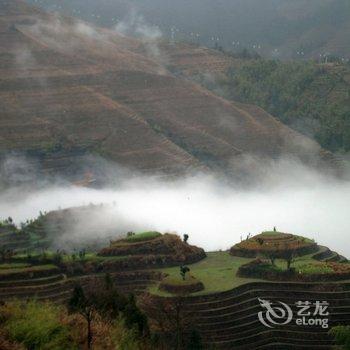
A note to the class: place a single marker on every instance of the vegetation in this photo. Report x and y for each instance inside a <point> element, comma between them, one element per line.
<point>217,273</point>
<point>45,326</point>
<point>97,310</point>
<point>143,236</point>
<point>102,299</point>
<point>315,268</point>
<point>36,325</point>
<point>342,336</point>
<point>312,98</point>
<point>83,305</point>
<point>183,271</point>
<point>173,321</point>
<point>273,245</point>
<point>176,285</point>
<point>19,270</point>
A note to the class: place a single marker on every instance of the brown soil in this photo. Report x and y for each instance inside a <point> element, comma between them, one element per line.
<point>278,243</point>
<point>165,250</point>
<point>190,285</point>
<point>65,93</point>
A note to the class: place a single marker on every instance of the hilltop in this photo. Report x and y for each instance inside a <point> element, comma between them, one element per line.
<point>69,90</point>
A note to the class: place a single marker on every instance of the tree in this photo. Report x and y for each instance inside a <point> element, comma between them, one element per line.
<point>100,296</point>
<point>108,281</point>
<point>104,297</point>
<point>183,271</point>
<point>80,304</point>
<point>57,258</point>
<point>342,336</point>
<point>3,254</point>
<point>171,318</point>
<point>195,341</point>
<point>288,254</point>
<point>134,317</point>
<point>6,254</point>
<point>272,256</point>
<point>186,237</point>
<point>260,241</point>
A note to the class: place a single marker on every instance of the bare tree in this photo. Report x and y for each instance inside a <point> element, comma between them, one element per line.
<point>81,304</point>
<point>288,254</point>
<point>169,317</point>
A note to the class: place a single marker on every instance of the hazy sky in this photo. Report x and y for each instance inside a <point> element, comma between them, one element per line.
<point>259,25</point>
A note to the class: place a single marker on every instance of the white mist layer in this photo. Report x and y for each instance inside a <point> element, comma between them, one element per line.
<point>214,215</point>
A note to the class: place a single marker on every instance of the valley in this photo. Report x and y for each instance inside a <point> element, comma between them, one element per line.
<point>174,175</point>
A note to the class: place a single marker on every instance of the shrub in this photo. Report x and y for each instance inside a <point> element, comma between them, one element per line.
<point>144,236</point>
<point>342,336</point>
<point>36,325</point>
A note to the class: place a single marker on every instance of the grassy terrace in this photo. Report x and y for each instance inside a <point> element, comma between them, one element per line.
<point>140,237</point>
<point>11,269</point>
<point>218,271</point>
<point>13,266</point>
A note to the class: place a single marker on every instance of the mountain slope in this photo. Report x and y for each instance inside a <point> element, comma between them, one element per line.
<point>310,97</point>
<point>68,88</point>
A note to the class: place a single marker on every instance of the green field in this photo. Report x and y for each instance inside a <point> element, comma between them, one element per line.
<point>13,266</point>
<point>218,271</point>
<point>143,236</point>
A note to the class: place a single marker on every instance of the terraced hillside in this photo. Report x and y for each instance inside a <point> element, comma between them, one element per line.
<point>226,312</point>
<point>273,241</point>
<point>55,288</point>
<point>222,303</point>
<point>50,284</point>
<point>68,89</point>
<point>153,248</point>
<point>12,238</point>
<point>61,229</point>
<point>308,96</point>
<point>189,59</point>
<point>229,320</point>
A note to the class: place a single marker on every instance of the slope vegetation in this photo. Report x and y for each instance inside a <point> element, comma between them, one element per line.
<point>68,89</point>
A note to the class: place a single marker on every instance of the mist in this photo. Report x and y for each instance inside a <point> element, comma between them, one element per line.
<point>215,214</point>
<point>273,28</point>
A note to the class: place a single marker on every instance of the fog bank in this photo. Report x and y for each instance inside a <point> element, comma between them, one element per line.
<point>215,215</point>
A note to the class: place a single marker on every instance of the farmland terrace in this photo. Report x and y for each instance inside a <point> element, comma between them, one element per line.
<point>220,290</point>
<point>68,89</point>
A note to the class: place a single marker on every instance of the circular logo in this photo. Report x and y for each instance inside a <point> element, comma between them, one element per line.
<point>274,315</point>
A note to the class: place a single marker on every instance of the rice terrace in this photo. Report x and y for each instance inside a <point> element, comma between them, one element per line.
<point>218,291</point>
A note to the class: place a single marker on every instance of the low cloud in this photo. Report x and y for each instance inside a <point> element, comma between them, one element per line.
<point>215,214</point>
<point>134,25</point>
